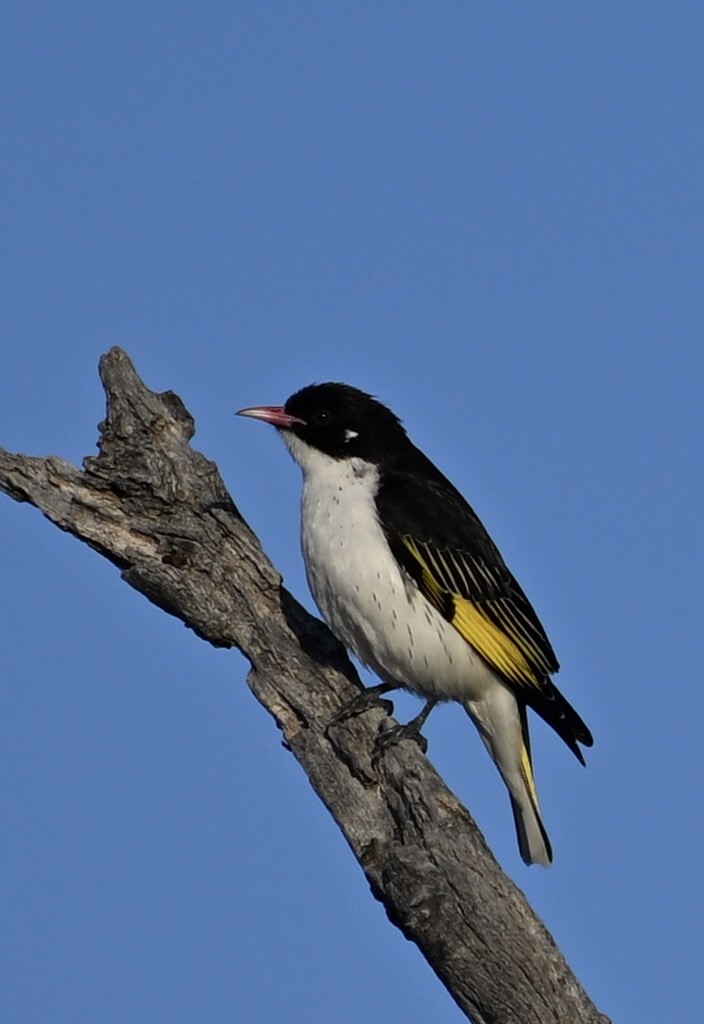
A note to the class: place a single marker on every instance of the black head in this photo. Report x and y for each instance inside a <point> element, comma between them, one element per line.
<point>344,422</point>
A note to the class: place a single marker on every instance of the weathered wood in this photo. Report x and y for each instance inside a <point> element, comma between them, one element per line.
<point>159,510</point>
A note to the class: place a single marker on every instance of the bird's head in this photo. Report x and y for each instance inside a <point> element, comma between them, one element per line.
<point>336,419</point>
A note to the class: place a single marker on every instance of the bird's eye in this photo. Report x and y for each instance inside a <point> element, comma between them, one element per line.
<point>321,417</point>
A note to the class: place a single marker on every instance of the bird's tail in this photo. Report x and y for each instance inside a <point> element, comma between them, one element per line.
<point>503,726</point>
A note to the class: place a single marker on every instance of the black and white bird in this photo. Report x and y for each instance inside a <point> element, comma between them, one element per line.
<point>407,577</point>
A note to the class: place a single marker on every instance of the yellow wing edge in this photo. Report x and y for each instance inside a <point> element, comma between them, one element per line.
<point>503,651</point>
<point>493,644</point>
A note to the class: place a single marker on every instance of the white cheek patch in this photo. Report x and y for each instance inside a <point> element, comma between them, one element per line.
<point>351,434</point>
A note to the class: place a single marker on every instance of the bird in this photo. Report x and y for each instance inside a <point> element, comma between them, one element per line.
<point>409,580</point>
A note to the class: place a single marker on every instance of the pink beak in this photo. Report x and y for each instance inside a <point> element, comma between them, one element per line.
<point>274,414</point>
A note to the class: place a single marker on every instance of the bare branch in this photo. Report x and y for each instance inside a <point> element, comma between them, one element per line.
<point>160,512</point>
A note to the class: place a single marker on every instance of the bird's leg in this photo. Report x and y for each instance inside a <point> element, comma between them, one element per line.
<point>409,731</point>
<point>367,698</point>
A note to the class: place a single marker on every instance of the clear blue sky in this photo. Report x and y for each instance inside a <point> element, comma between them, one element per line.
<point>491,216</point>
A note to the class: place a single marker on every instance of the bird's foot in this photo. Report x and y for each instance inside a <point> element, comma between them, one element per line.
<point>410,731</point>
<point>368,698</point>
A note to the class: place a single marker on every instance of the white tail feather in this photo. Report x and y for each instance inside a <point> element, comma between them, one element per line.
<point>503,726</point>
<point>533,841</point>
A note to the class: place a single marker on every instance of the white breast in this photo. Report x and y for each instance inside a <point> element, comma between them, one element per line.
<point>371,604</point>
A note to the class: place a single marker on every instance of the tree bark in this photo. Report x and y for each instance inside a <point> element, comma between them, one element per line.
<point>159,510</point>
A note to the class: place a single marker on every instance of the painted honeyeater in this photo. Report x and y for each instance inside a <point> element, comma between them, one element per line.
<point>409,580</point>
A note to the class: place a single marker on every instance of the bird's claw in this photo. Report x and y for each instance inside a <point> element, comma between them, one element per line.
<point>368,698</point>
<point>391,737</point>
<point>410,731</point>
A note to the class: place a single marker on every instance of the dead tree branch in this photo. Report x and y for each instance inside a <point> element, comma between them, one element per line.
<point>160,512</point>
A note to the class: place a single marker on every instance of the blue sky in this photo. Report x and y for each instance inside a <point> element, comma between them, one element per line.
<point>488,214</point>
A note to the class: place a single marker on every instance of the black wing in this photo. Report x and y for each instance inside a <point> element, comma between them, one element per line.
<point>442,544</point>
